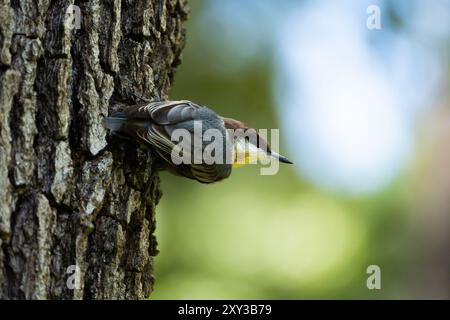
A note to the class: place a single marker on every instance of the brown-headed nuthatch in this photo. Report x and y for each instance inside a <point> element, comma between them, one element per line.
<point>192,140</point>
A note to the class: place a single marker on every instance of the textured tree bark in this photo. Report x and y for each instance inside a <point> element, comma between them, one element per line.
<point>67,197</point>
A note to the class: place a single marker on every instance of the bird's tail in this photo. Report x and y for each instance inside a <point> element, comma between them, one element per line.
<point>114,123</point>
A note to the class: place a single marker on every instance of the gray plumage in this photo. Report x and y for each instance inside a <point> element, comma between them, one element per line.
<point>153,123</point>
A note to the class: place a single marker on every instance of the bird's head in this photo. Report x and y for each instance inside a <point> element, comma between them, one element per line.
<point>249,146</point>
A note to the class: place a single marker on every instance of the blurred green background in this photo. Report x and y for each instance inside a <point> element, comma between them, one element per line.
<point>365,117</point>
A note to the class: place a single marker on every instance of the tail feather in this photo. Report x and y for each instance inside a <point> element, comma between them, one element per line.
<point>114,123</point>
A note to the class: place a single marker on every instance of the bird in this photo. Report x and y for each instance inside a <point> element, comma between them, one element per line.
<point>153,124</point>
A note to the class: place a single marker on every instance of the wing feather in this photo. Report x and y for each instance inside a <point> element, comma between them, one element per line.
<point>154,122</point>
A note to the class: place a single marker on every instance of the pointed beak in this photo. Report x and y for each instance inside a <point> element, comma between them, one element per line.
<point>280,158</point>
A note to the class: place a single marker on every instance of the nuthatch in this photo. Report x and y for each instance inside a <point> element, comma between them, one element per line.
<point>156,123</point>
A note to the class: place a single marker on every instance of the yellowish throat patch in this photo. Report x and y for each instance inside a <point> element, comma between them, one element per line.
<point>246,153</point>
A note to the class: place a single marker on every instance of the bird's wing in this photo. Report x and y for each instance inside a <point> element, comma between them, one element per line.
<point>154,124</point>
<point>164,112</point>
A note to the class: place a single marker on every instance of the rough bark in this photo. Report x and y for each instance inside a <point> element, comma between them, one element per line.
<point>67,196</point>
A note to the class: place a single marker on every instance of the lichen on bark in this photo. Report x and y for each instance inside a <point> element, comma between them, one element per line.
<point>71,195</point>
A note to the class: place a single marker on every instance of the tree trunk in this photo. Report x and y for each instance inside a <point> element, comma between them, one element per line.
<point>77,213</point>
